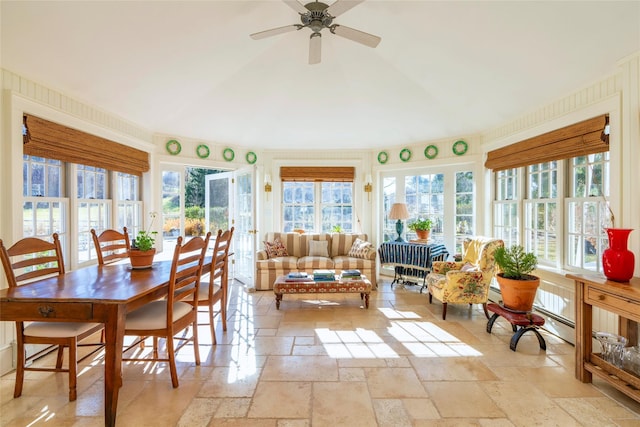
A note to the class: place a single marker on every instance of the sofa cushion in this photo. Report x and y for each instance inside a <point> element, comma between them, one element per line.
<point>319,248</point>
<point>341,243</point>
<point>360,249</point>
<point>314,263</point>
<point>348,263</point>
<point>279,263</point>
<point>275,249</point>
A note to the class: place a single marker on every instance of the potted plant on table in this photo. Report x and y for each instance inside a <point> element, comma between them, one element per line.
<point>517,285</point>
<point>142,250</point>
<point>422,227</point>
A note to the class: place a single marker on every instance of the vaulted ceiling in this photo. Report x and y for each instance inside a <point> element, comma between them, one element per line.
<point>443,68</point>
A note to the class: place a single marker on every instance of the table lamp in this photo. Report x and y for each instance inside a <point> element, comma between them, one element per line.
<point>399,211</point>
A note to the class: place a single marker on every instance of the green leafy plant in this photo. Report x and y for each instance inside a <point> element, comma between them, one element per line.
<point>145,239</point>
<point>337,229</point>
<point>420,224</point>
<point>515,263</point>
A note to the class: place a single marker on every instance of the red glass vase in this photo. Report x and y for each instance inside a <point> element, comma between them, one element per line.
<point>618,261</point>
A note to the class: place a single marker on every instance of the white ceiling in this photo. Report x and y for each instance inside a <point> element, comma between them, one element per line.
<point>444,69</point>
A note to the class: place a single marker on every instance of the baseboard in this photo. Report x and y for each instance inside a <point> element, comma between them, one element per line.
<point>7,357</point>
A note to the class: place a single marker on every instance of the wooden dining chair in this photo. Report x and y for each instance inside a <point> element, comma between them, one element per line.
<point>215,291</point>
<point>177,312</point>
<point>111,245</point>
<point>27,261</point>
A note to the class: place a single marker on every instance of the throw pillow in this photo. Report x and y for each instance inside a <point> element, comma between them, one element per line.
<point>360,249</point>
<point>275,249</point>
<point>319,248</point>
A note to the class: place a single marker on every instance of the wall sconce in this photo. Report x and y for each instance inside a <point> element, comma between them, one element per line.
<point>367,186</point>
<point>267,184</point>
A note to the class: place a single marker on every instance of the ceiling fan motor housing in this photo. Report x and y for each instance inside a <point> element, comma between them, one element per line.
<point>317,18</point>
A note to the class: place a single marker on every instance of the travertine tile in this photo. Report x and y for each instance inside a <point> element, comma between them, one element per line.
<point>327,362</point>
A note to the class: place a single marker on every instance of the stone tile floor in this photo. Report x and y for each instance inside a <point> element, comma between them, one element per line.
<point>327,361</point>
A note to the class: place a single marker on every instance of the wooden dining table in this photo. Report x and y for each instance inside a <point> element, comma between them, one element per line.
<point>101,294</point>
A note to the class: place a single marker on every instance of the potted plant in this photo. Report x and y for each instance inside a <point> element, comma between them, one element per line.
<point>422,227</point>
<point>336,229</point>
<point>517,285</point>
<point>142,250</point>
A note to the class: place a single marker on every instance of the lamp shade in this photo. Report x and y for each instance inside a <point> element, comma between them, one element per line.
<point>399,211</point>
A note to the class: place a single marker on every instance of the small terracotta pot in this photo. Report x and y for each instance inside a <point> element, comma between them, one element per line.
<point>423,234</point>
<point>141,259</point>
<point>518,295</point>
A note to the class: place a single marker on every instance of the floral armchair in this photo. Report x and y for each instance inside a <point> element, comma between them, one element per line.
<point>465,281</point>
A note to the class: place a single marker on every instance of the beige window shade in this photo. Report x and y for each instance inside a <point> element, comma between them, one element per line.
<point>333,174</point>
<point>579,139</point>
<point>55,141</point>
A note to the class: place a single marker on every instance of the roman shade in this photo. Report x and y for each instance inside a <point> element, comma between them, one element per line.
<point>579,139</point>
<point>330,174</point>
<point>54,141</point>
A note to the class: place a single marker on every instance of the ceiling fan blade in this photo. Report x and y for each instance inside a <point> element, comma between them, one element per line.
<point>297,6</point>
<point>356,35</point>
<point>315,44</point>
<point>341,6</point>
<point>274,31</point>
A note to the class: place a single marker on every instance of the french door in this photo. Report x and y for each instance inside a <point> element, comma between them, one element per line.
<point>230,201</point>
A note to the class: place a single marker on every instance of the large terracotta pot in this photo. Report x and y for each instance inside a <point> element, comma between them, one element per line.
<point>141,259</point>
<point>618,261</point>
<point>518,295</point>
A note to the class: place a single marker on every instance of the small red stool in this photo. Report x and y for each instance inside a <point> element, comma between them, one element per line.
<point>520,323</point>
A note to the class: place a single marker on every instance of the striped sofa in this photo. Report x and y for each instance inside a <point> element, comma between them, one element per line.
<point>339,244</point>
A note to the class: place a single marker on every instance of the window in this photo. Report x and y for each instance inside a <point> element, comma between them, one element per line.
<point>587,211</point>
<point>465,214</point>
<point>44,209</point>
<point>302,211</point>
<point>505,207</point>
<point>337,206</point>
<point>425,199</point>
<point>541,215</point>
<point>565,210</point>
<point>389,195</point>
<point>446,195</point>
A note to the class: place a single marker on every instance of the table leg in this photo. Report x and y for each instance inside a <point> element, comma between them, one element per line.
<point>278,299</point>
<point>114,340</point>
<point>366,300</point>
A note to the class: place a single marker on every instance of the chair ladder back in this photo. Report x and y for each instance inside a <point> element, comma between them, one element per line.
<point>111,245</point>
<point>186,269</point>
<point>36,258</point>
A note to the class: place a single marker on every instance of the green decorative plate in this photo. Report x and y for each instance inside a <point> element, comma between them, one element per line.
<point>202,151</point>
<point>173,147</point>
<point>431,152</point>
<point>251,157</point>
<point>459,148</point>
<point>228,154</point>
<point>405,154</point>
<point>383,157</point>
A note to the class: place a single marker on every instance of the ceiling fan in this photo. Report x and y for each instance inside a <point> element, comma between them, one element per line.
<point>318,16</point>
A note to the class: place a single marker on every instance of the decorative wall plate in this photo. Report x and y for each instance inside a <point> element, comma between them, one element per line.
<point>173,147</point>
<point>431,152</point>
<point>459,148</point>
<point>228,154</point>
<point>251,157</point>
<point>405,154</point>
<point>202,151</point>
<point>383,157</point>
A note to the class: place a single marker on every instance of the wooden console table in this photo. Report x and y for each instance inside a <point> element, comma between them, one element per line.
<point>622,299</point>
